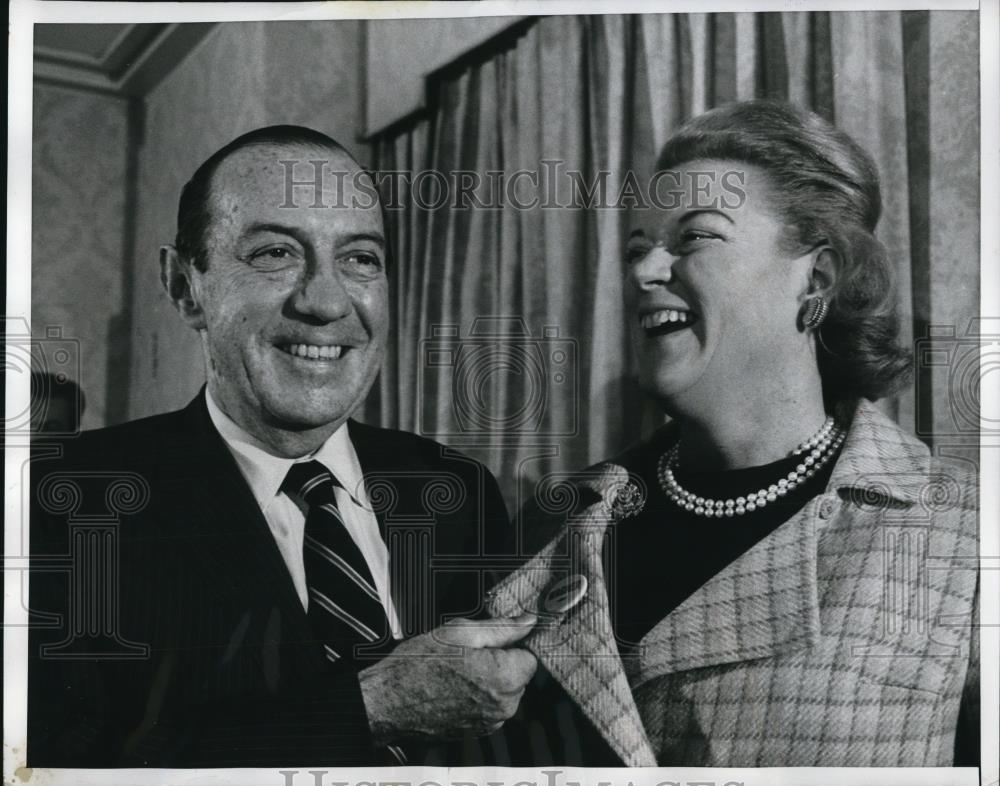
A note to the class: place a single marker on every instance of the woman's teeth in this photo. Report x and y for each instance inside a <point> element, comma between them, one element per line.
<point>663,316</point>
<point>314,351</point>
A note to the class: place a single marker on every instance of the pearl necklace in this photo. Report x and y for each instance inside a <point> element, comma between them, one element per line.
<point>821,447</point>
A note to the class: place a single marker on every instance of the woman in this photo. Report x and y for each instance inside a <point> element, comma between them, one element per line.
<point>757,581</point>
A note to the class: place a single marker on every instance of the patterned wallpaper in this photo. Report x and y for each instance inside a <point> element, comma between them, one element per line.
<point>77,233</point>
<point>242,76</point>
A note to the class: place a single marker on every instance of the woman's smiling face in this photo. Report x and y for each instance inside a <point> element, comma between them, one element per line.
<point>713,293</point>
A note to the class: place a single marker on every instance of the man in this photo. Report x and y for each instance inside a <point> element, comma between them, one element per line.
<point>231,614</point>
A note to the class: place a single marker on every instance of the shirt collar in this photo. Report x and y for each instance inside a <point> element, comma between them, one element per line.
<point>265,472</point>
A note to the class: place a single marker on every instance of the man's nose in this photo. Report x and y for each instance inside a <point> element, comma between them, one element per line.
<point>322,293</point>
<point>654,269</point>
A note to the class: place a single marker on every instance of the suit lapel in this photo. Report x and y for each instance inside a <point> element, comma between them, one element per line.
<point>384,461</point>
<point>217,510</point>
<point>373,460</point>
<point>372,455</point>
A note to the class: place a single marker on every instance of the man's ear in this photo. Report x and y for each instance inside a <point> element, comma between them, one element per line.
<point>176,276</point>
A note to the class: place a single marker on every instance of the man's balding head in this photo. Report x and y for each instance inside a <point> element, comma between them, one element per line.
<point>194,211</point>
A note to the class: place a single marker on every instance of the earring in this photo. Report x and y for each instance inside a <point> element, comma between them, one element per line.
<point>816,312</point>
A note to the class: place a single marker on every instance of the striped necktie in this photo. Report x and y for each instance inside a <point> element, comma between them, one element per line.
<point>344,605</point>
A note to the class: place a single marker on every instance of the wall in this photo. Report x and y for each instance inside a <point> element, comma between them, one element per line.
<point>402,52</point>
<point>242,76</point>
<point>79,145</point>
<point>953,179</point>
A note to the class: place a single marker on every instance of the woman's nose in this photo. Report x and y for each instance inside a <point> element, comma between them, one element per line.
<point>653,269</point>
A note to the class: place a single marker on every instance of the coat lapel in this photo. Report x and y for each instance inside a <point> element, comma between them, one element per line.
<point>374,455</point>
<point>880,463</point>
<point>764,602</point>
<point>578,648</point>
<point>235,545</point>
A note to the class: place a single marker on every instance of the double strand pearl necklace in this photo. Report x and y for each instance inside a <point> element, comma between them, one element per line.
<point>819,449</point>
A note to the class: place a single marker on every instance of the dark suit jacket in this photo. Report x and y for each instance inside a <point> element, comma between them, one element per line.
<point>168,631</point>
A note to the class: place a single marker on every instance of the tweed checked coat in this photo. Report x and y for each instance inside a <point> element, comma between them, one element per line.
<point>840,639</point>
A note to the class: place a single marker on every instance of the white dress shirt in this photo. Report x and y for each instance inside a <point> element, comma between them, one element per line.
<point>265,473</point>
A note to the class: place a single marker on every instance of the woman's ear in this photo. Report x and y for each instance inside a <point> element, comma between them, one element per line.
<point>823,275</point>
<point>176,275</point>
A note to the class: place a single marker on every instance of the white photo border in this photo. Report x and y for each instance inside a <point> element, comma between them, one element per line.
<point>25,13</point>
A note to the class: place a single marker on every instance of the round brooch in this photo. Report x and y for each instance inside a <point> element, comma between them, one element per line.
<point>627,500</point>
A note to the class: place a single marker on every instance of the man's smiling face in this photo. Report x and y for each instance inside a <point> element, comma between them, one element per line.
<point>293,297</point>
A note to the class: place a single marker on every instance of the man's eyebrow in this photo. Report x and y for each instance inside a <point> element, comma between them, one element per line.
<point>374,237</point>
<point>295,232</point>
<point>636,233</point>
<point>278,229</point>
<point>695,213</point>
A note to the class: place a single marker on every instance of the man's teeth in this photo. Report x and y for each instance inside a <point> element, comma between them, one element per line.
<point>658,318</point>
<point>314,351</point>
